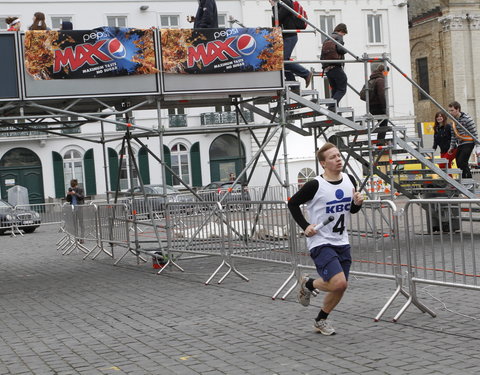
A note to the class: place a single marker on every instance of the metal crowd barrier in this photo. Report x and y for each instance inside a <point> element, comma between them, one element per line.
<point>442,245</point>
<point>439,246</point>
<point>73,228</point>
<point>376,248</point>
<point>7,222</point>
<point>259,230</point>
<point>27,217</point>
<point>50,213</point>
<point>197,228</point>
<point>113,229</point>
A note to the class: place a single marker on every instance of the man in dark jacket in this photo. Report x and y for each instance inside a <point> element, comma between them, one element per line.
<point>377,102</point>
<point>206,17</point>
<point>334,71</point>
<point>287,21</point>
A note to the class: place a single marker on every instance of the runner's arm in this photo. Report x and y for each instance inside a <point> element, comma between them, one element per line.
<point>305,194</point>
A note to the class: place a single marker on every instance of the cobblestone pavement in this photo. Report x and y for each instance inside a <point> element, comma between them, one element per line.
<point>62,315</point>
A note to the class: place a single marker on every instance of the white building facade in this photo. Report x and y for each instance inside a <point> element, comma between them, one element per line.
<point>376,27</point>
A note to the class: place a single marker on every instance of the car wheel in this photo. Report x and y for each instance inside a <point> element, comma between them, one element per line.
<point>2,232</point>
<point>29,229</point>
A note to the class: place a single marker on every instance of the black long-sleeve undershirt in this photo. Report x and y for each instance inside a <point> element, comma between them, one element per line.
<point>306,193</point>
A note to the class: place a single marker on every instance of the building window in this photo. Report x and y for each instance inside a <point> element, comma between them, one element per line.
<point>169,22</point>
<point>374,24</point>
<point>3,23</point>
<point>180,164</point>
<point>70,125</point>
<point>222,21</point>
<point>117,21</point>
<point>128,172</point>
<point>327,24</point>
<point>177,117</point>
<point>305,175</point>
<point>223,108</point>
<point>72,167</point>
<point>57,21</point>
<point>422,74</point>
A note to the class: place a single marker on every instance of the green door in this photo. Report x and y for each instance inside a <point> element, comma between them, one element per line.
<point>31,178</point>
<point>227,156</point>
<point>21,166</point>
<point>220,169</point>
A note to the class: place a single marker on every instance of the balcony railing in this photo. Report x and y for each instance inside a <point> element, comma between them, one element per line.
<point>177,121</point>
<point>213,118</point>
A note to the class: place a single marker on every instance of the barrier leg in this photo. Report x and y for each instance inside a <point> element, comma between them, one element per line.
<point>389,302</point>
<point>290,290</point>
<point>413,300</point>
<point>102,249</point>
<point>215,272</point>
<point>234,269</point>
<point>69,248</point>
<point>290,277</point>
<point>90,251</point>
<point>170,262</point>
<point>130,250</point>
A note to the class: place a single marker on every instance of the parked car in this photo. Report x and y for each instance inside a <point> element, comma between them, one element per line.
<point>214,191</point>
<point>156,198</point>
<point>24,219</point>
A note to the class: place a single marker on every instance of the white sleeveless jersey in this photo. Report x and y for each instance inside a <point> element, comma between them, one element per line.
<point>331,200</point>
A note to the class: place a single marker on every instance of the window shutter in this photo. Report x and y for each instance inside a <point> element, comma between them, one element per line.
<point>90,180</point>
<point>113,166</point>
<point>58,177</point>
<point>168,161</point>
<point>196,165</point>
<point>143,165</point>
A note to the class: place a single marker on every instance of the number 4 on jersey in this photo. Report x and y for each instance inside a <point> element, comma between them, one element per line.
<point>340,225</point>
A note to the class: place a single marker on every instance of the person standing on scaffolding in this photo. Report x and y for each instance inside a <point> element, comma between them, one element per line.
<point>442,137</point>
<point>334,71</point>
<point>461,138</point>
<point>330,199</point>
<point>377,103</point>
<point>206,17</point>
<point>286,21</point>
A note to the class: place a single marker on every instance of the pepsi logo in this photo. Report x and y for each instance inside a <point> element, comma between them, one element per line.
<point>116,49</point>
<point>246,44</point>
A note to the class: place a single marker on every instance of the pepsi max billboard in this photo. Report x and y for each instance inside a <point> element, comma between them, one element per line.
<point>221,50</point>
<point>102,52</point>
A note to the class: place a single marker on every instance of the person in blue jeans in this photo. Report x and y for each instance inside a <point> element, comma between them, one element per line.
<point>76,197</point>
<point>463,138</point>
<point>287,21</point>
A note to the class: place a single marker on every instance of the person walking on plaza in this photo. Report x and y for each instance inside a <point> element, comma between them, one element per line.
<point>461,140</point>
<point>331,195</point>
<point>334,71</point>
<point>286,21</point>
<point>206,17</point>
<point>75,196</point>
<point>13,23</point>
<point>442,137</point>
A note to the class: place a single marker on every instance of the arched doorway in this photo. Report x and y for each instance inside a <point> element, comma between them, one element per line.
<point>227,155</point>
<point>21,166</point>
